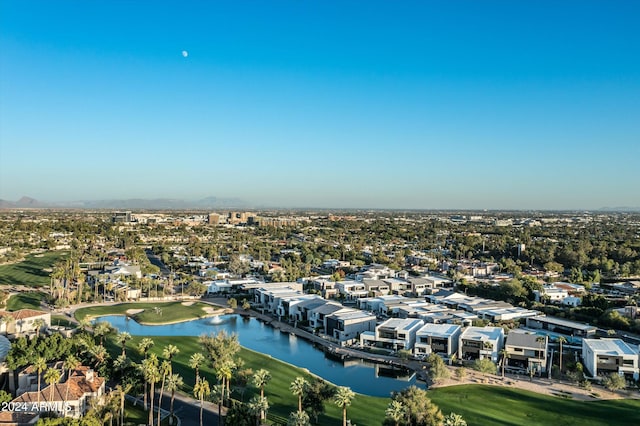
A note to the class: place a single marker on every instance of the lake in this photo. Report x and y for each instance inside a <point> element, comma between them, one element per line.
<point>362,377</point>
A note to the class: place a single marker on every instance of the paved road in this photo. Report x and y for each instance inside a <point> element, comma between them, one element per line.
<point>155,260</point>
<point>188,410</point>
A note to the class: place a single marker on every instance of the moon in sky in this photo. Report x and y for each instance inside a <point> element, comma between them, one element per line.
<point>185,53</point>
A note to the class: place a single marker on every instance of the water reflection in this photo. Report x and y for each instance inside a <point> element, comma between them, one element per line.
<point>363,377</point>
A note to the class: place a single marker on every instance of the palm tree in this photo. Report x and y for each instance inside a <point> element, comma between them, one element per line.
<point>40,365</point>
<point>165,371</point>
<point>201,390</point>
<point>260,379</point>
<point>258,405</point>
<point>174,382</point>
<point>196,360</point>
<point>70,364</point>
<point>123,389</point>
<point>561,340</point>
<point>343,398</point>
<point>297,387</point>
<point>38,323</point>
<point>487,346</point>
<point>99,354</point>
<point>101,329</point>
<point>151,375</point>
<point>145,345</point>
<point>122,339</point>
<point>541,340</point>
<point>395,411</point>
<point>504,354</point>
<point>298,418</point>
<point>51,376</point>
<point>224,372</point>
<point>169,352</point>
<point>217,393</point>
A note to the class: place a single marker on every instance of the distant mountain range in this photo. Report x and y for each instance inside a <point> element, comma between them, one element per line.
<point>129,204</point>
<point>620,209</point>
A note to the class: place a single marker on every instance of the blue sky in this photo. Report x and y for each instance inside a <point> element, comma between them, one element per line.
<point>430,104</point>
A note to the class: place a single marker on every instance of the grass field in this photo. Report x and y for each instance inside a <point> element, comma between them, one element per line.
<point>169,311</point>
<point>62,321</point>
<point>33,271</point>
<point>29,300</point>
<point>494,405</point>
<point>365,410</point>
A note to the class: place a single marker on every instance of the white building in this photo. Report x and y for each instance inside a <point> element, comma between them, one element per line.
<point>352,290</point>
<point>24,321</point>
<point>394,334</point>
<point>605,356</point>
<point>551,293</point>
<point>480,343</point>
<point>441,339</point>
<point>347,324</point>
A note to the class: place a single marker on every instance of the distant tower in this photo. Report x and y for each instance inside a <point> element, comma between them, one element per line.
<point>521,248</point>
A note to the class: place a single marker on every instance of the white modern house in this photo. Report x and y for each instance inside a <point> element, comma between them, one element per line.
<point>606,356</point>
<point>441,339</point>
<point>347,324</point>
<point>480,343</point>
<point>393,334</point>
<point>352,290</point>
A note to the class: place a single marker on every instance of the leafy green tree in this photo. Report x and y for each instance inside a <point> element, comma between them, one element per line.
<point>420,410</point>
<point>484,366</point>
<point>395,412</point>
<point>453,419</point>
<point>614,382</point>
<point>318,391</point>
<point>438,370</point>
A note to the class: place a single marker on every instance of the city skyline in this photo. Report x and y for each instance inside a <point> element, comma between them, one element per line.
<point>438,105</point>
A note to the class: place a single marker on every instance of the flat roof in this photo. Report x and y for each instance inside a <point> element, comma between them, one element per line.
<point>564,323</point>
<point>614,347</point>
<point>402,324</point>
<point>482,333</point>
<point>438,330</point>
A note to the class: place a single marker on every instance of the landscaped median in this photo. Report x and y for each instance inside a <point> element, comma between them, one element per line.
<point>152,313</point>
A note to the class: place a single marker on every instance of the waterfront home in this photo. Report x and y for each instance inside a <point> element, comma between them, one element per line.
<point>351,290</point>
<point>317,315</point>
<point>441,339</point>
<point>480,343</point>
<point>605,356</point>
<point>526,351</point>
<point>393,334</point>
<point>561,326</point>
<point>346,325</point>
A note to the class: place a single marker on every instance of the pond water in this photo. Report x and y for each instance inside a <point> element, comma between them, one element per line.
<point>362,377</point>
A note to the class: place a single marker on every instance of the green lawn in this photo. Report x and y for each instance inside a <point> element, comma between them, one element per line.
<point>29,300</point>
<point>169,312</point>
<point>494,405</point>
<point>62,320</point>
<point>365,410</point>
<point>33,271</point>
